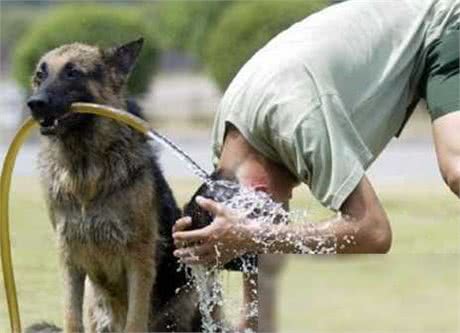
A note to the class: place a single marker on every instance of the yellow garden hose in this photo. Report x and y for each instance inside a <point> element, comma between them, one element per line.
<point>5,184</point>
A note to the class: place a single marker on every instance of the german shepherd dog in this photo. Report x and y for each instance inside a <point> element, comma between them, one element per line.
<point>110,206</point>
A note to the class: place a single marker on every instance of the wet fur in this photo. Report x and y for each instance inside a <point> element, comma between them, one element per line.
<point>111,208</point>
<point>202,218</point>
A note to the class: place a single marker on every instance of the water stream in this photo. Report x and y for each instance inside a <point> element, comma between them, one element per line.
<point>251,207</point>
<point>189,162</point>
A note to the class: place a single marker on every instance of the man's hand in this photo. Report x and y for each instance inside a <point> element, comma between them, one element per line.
<point>225,238</point>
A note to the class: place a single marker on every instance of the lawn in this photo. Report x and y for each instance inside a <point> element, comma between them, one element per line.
<point>415,288</point>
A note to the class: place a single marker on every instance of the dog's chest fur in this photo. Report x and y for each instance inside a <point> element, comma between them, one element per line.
<point>90,184</point>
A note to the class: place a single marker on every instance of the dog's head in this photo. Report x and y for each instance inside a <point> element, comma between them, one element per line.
<point>202,218</point>
<point>79,73</point>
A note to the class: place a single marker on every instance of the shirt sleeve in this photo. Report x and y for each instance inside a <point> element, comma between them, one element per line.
<point>326,152</point>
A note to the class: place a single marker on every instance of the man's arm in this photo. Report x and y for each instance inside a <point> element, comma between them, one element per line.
<point>362,227</point>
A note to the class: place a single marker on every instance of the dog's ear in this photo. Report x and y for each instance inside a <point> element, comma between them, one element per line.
<point>123,57</point>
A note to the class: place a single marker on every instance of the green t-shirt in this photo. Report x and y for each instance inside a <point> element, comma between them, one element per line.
<point>325,96</point>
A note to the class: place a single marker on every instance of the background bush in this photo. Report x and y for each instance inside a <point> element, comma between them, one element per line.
<point>92,24</point>
<point>14,22</point>
<point>245,27</point>
<point>185,25</point>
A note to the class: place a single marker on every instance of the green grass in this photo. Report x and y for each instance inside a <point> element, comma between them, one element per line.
<point>393,293</point>
<point>415,288</point>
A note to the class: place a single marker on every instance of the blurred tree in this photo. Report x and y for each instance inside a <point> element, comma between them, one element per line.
<point>245,27</point>
<point>185,25</point>
<point>14,21</point>
<point>93,24</point>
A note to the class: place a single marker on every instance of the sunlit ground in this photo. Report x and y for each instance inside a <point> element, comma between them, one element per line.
<point>416,288</point>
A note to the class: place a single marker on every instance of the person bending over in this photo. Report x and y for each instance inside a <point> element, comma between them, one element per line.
<point>317,105</point>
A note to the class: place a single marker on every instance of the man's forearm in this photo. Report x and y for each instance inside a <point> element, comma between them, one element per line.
<point>338,235</point>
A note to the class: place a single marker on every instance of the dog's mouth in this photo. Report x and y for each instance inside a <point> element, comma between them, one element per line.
<point>54,125</point>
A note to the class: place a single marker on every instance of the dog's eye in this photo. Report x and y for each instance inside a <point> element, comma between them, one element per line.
<point>40,76</point>
<point>73,73</point>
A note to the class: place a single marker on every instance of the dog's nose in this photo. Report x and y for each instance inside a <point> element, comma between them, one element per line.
<point>38,103</point>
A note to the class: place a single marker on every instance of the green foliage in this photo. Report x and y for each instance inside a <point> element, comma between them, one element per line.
<point>185,25</point>
<point>245,27</point>
<point>13,23</point>
<point>92,24</point>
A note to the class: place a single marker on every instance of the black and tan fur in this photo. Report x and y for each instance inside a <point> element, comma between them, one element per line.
<point>109,203</point>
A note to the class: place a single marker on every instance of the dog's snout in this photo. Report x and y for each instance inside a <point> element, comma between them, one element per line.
<point>38,103</point>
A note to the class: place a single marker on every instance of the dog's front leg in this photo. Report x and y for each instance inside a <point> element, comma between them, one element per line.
<point>74,281</point>
<point>141,275</point>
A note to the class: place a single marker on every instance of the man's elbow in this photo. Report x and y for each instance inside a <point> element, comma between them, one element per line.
<point>381,240</point>
<point>378,236</point>
<point>452,179</point>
